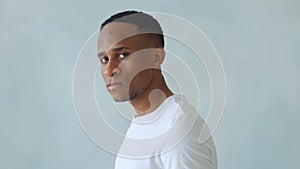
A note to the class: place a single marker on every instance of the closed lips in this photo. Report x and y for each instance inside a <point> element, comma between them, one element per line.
<point>113,85</point>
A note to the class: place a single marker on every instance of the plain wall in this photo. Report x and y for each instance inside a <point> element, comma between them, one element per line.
<point>258,43</point>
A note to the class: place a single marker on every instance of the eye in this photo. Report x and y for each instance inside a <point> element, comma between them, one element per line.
<point>123,55</point>
<point>104,59</point>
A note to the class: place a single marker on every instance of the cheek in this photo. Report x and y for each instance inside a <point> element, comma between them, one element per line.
<point>103,75</point>
<point>102,72</point>
<point>135,73</point>
<point>136,69</point>
<point>143,57</point>
<point>138,66</point>
<point>141,79</point>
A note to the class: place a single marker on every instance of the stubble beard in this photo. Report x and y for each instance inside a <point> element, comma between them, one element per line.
<point>131,96</point>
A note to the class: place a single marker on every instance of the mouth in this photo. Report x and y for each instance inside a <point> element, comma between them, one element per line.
<point>113,85</point>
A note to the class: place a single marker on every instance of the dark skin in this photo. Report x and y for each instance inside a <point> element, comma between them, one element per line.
<point>130,66</point>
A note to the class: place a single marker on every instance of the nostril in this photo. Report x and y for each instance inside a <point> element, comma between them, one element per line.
<point>112,68</point>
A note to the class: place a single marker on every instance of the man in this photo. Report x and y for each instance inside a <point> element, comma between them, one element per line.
<point>164,133</point>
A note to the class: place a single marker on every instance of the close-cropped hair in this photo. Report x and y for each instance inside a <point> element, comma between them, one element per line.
<point>144,22</point>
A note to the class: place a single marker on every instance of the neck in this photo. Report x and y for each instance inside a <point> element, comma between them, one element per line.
<point>152,98</point>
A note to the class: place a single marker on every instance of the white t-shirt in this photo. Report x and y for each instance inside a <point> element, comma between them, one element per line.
<point>167,138</point>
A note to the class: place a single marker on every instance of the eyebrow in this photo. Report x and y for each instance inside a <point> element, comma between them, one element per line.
<point>118,49</point>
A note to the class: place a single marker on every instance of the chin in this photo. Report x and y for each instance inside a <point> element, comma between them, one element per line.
<point>120,98</point>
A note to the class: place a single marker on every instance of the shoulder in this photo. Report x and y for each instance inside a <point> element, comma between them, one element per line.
<point>187,151</point>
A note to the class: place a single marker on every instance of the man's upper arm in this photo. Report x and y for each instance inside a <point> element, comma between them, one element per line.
<point>190,155</point>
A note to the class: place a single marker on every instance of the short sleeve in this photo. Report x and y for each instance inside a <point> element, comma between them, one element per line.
<point>191,154</point>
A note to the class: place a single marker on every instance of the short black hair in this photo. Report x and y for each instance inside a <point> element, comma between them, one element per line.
<point>145,22</point>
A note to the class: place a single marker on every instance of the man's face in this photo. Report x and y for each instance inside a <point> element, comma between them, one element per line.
<point>125,60</point>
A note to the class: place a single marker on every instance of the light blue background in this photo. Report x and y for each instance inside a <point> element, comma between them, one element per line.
<point>258,42</point>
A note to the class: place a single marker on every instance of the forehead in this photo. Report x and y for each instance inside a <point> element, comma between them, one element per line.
<point>115,32</point>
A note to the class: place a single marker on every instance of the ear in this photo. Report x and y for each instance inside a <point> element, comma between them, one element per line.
<point>159,56</point>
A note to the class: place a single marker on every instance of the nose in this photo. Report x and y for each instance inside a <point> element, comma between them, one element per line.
<point>111,68</point>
